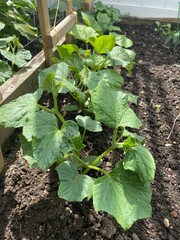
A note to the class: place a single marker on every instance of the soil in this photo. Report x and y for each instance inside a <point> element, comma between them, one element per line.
<point>29,205</point>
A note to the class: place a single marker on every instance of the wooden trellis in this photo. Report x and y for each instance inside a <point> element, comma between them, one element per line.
<point>26,79</point>
<point>51,37</point>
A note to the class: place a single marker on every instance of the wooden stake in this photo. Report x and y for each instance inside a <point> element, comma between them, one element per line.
<point>69,38</point>
<point>1,160</point>
<point>45,29</point>
<point>88,5</point>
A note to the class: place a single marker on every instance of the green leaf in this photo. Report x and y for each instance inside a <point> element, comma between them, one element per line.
<point>39,124</point>
<point>91,22</point>
<point>126,133</point>
<point>50,78</point>
<point>79,95</point>
<point>103,19</point>
<point>111,107</point>
<point>4,41</point>
<point>123,195</point>
<point>66,50</point>
<point>26,30</point>
<point>140,160</point>
<point>2,25</point>
<point>28,152</point>
<point>74,62</point>
<point>5,71</point>
<point>103,43</point>
<point>122,40</point>
<point>19,58</point>
<point>121,56</point>
<point>73,186</point>
<point>83,32</point>
<point>129,143</point>
<point>15,113</point>
<point>110,76</point>
<point>52,147</point>
<point>88,123</point>
<point>97,62</point>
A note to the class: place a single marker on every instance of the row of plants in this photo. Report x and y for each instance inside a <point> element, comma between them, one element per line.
<point>86,72</point>
<point>171,35</point>
<point>15,26</point>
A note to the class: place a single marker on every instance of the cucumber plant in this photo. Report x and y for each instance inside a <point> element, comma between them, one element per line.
<point>50,140</point>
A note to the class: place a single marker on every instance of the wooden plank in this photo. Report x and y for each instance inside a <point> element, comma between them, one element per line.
<point>45,29</point>
<point>61,30</point>
<point>1,160</point>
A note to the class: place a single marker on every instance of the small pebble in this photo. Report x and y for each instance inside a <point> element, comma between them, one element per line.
<point>173,214</point>
<point>135,236</point>
<point>168,145</point>
<point>166,222</point>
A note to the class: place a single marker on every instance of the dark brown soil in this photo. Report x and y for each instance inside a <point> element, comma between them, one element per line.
<point>29,205</point>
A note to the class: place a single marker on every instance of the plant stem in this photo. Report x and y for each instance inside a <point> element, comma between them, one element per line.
<point>96,161</point>
<point>46,109</point>
<point>90,166</point>
<point>56,110</point>
<point>114,137</point>
<point>121,136</point>
<point>84,132</point>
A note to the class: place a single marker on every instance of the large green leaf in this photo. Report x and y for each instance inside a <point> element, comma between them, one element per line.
<point>66,50</point>
<point>26,30</point>
<point>39,124</point>
<point>91,22</point>
<point>122,40</point>
<point>123,195</point>
<point>50,78</point>
<point>73,186</point>
<point>103,44</point>
<point>74,62</point>
<point>97,62</point>
<point>140,160</point>
<point>83,32</point>
<point>110,76</point>
<point>111,107</point>
<point>5,41</point>
<point>19,58</point>
<point>27,4</point>
<point>88,123</point>
<point>55,144</point>
<point>121,56</point>
<point>15,113</point>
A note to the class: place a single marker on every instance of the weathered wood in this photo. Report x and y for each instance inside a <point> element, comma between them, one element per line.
<point>45,29</point>
<point>61,30</point>
<point>88,5</point>
<point>1,160</point>
<point>69,38</point>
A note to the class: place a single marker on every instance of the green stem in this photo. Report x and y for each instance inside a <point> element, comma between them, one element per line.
<point>56,110</point>
<point>114,137</point>
<point>84,132</point>
<point>90,166</point>
<point>121,136</point>
<point>98,159</point>
<point>46,109</point>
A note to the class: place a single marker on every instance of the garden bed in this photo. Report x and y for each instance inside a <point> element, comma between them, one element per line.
<point>29,205</point>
